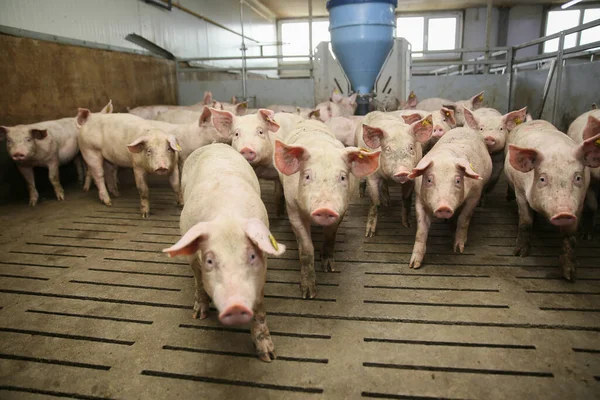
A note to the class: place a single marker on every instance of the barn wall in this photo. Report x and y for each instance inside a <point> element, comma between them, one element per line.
<point>45,81</point>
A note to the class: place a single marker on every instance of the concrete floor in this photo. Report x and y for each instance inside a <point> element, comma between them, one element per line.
<point>90,308</point>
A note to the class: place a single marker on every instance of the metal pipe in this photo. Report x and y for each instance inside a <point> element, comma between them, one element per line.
<point>244,69</point>
<point>509,84</point>
<point>547,87</point>
<point>559,72</point>
<point>488,35</point>
<point>300,67</point>
<point>557,35</point>
<point>310,34</point>
<point>554,54</point>
<point>177,92</point>
<point>238,57</point>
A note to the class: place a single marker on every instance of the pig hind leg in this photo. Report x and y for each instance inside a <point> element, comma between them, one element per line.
<point>374,184</point>
<point>94,161</point>
<point>27,173</point>
<point>306,251</point>
<point>567,259</point>
<point>407,191</point>
<point>111,172</point>
<point>142,185</point>
<point>462,224</point>
<point>589,214</point>
<point>328,249</point>
<point>526,217</point>
<point>53,174</point>
<point>261,336</point>
<point>175,183</point>
<point>423,225</point>
<point>201,299</point>
<point>81,169</point>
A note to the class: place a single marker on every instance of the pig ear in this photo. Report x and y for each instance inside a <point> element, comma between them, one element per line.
<point>205,116</point>
<point>523,159</point>
<point>108,108</point>
<point>422,129</point>
<point>352,99</point>
<point>362,163</point>
<point>528,118</point>
<point>467,169</point>
<point>267,116</point>
<point>515,118</point>
<point>208,98</point>
<point>241,108</point>
<point>233,100</point>
<point>39,134</point>
<point>217,105</point>
<point>412,100</point>
<point>594,106</point>
<point>3,132</point>
<point>373,136</point>
<point>336,97</point>
<point>471,119</point>
<point>223,121</point>
<point>589,151</point>
<point>190,242</point>
<point>477,100</point>
<point>412,118</point>
<point>315,114</point>
<point>592,128</point>
<point>138,144</point>
<point>421,167</point>
<point>83,115</point>
<point>173,143</point>
<point>450,106</point>
<point>448,115</point>
<point>288,158</point>
<point>260,235</point>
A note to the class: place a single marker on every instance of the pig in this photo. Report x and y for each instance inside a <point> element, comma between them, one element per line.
<point>443,121</point>
<point>449,180</point>
<point>126,140</point>
<point>433,104</point>
<point>546,170</point>
<point>400,147</point>
<point>584,127</point>
<point>337,106</point>
<point>225,234</point>
<point>301,111</point>
<point>185,116</point>
<point>494,127</point>
<point>410,103</point>
<point>253,136</point>
<point>151,112</point>
<point>45,144</point>
<point>344,128</point>
<point>315,169</point>
<point>239,109</point>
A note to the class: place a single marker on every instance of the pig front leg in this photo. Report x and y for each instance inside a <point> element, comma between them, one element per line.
<point>81,170</point>
<point>279,198</point>
<point>525,226</point>
<point>423,225</point>
<point>462,224</point>
<point>589,214</point>
<point>385,194</point>
<point>142,186</point>
<point>111,172</point>
<point>95,163</point>
<point>27,173</point>
<point>53,175</point>
<point>374,187</point>
<point>265,349</point>
<point>567,259</point>
<point>362,188</point>
<point>328,249</point>
<point>407,191</point>
<point>174,181</point>
<point>306,251</point>
<point>201,299</point>
<point>87,183</point>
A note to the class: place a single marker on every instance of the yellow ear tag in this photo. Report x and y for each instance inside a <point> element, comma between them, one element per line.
<point>274,242</point>
<point>178,147</point>
<point>518,121</point>
<point>244,105</point>
<point>447,114</point>
<point>425,122</point>
<point>368,151</point>
<point>598,143</point>
<point>480,98</point>
<point>412,96</point>
<point>471,165</point>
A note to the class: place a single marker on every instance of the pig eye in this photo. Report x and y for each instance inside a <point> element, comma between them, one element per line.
<point>578,178</point>
<point>457,180</point>
<point>501,128</point>
<point>481,129</point>
<point>237,133</point>
<point>411,148</point>
<point>29,139</point>
<point>169,148</point>
<point>149,151</point>
<point>260,131</point>
<point>343,177</point>
<point>543,179</point>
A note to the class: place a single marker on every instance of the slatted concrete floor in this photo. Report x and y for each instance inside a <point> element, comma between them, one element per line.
<point>90,308</point>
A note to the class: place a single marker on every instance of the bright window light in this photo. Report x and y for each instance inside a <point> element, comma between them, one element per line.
<point>442,34</point>
<point>593,34</point>
<point>413,30</point>
<point>295,34</point>
<point>559,21</point>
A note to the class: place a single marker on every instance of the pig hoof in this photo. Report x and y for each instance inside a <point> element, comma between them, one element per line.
<point>328,264</point>
<point>370,232</point>
<point>406,224</point>
<point>33,202</point>
<point>586,236</point>
<point>60,196</point>
<point>415,262</point>
<point>267,357</point>
<point>309,291</point>
<point>145,214</point>
<point>115,193</point>
<point>86,187</point>
<point>459,247</point>
<point>522,251</point>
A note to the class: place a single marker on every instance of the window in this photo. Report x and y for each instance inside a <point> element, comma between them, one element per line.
<point>565,19</point>
<point>294,35</point>
<point>430,32</point>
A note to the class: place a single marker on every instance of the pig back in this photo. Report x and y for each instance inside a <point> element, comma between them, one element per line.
<point>575,132</point>
<point>433,104</point>
<point>179,116</point>
<point>218,181</point>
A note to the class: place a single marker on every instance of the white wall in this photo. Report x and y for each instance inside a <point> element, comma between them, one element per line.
<point>525,24</point>
<point>109,21</point>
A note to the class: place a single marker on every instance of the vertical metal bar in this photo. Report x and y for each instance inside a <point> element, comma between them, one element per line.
<point>310,36</point>
<point>177,90</point>
<point>488,36</point>
<point>510,57</point>
<point>244,70</point>
<point>547,87</point>
<point>559,73</point>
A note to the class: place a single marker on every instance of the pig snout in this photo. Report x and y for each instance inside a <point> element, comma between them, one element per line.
<point>325,216</point>
<point>438,131</point>
<point>161,169</point>
<point>248,153</point>
<point>444,212</point>
<point>236,314</point>
<point>490,141</point>
<point>402,176</point>
<point>18,156</point>
<point>563,219</point>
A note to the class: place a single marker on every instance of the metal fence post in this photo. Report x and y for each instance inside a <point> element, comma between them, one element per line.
<point>510,57</point>
<point>177,90</point>
<point>559,73</point>
<point>244,70</point>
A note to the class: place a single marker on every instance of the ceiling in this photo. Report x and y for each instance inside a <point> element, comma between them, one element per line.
<point>299,8</point>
